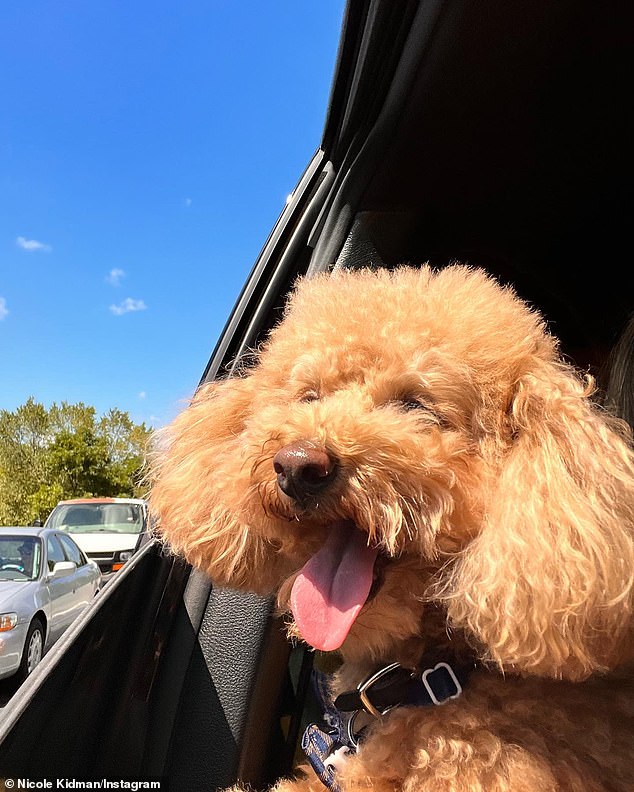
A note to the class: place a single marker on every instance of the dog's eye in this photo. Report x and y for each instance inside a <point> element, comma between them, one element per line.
<point>411,404</point>
<point>309,395</point>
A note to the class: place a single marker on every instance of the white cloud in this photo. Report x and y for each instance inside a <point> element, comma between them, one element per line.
<point>32,245</point>
<point>114,276</point>
<point>127,306</point>
<point>4,311</point>
<point>142,395</point>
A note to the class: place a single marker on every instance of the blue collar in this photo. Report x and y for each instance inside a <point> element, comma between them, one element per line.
<point>328,743</point>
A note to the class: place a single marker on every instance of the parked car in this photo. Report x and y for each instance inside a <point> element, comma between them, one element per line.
<point>108,530</point>
<point>46,581</point>
<point>493,132</point>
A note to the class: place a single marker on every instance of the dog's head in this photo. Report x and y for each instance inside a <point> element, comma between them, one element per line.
<point>407,438</point>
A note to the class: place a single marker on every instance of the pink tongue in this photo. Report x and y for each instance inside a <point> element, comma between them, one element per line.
<point>332,587</point>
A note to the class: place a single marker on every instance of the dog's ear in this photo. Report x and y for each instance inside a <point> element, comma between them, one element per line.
<point>197,475</point>
<point>547,587</point>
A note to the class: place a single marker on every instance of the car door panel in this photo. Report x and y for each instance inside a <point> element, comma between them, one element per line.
<point>83,587</point>
<point>61,592</point>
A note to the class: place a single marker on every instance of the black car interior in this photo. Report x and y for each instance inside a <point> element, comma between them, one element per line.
<point>492,132</point>
<point>509,152</point>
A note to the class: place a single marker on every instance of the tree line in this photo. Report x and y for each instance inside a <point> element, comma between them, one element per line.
<point>66,451</point>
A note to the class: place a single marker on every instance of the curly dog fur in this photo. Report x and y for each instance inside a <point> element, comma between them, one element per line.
<point>495,496</point>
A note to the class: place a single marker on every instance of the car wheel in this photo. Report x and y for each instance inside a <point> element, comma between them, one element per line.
<point>33,650</point>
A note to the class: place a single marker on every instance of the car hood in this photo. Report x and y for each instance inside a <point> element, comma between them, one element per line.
<point>105,542</point>
<point>10,591</point>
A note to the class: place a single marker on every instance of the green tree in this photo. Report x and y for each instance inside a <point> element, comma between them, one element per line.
<point>66,451</point>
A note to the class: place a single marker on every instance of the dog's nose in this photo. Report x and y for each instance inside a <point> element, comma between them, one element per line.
<point>303,469</point>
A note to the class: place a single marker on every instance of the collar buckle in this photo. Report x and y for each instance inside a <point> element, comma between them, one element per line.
<point>364,687</point>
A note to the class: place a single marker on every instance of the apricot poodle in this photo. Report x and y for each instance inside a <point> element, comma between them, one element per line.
<point>429,488</point>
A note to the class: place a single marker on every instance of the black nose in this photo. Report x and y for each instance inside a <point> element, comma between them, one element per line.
<point>303,470</point>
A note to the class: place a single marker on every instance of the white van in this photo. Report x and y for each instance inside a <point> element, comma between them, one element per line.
<point>108,530</point>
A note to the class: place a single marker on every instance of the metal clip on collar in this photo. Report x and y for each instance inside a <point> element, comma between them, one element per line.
<point>368,706</point>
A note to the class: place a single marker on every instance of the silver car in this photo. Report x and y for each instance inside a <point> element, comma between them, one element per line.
<point>45,583</point>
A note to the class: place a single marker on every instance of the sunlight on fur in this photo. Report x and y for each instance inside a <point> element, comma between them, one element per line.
<point>419,430</point>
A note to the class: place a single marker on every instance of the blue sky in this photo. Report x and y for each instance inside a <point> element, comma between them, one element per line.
<point>146,150</point>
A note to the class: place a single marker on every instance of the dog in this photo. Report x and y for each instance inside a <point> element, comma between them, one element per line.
<point>435,496</point>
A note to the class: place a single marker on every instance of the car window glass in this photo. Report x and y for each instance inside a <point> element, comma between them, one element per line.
<point>98,518</point>
<point>19,557</point>
<point>54,552</point>
<point>73,553</point>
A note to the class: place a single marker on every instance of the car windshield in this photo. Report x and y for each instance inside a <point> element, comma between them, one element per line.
<point>20,557</point>
<point>82,518</point>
